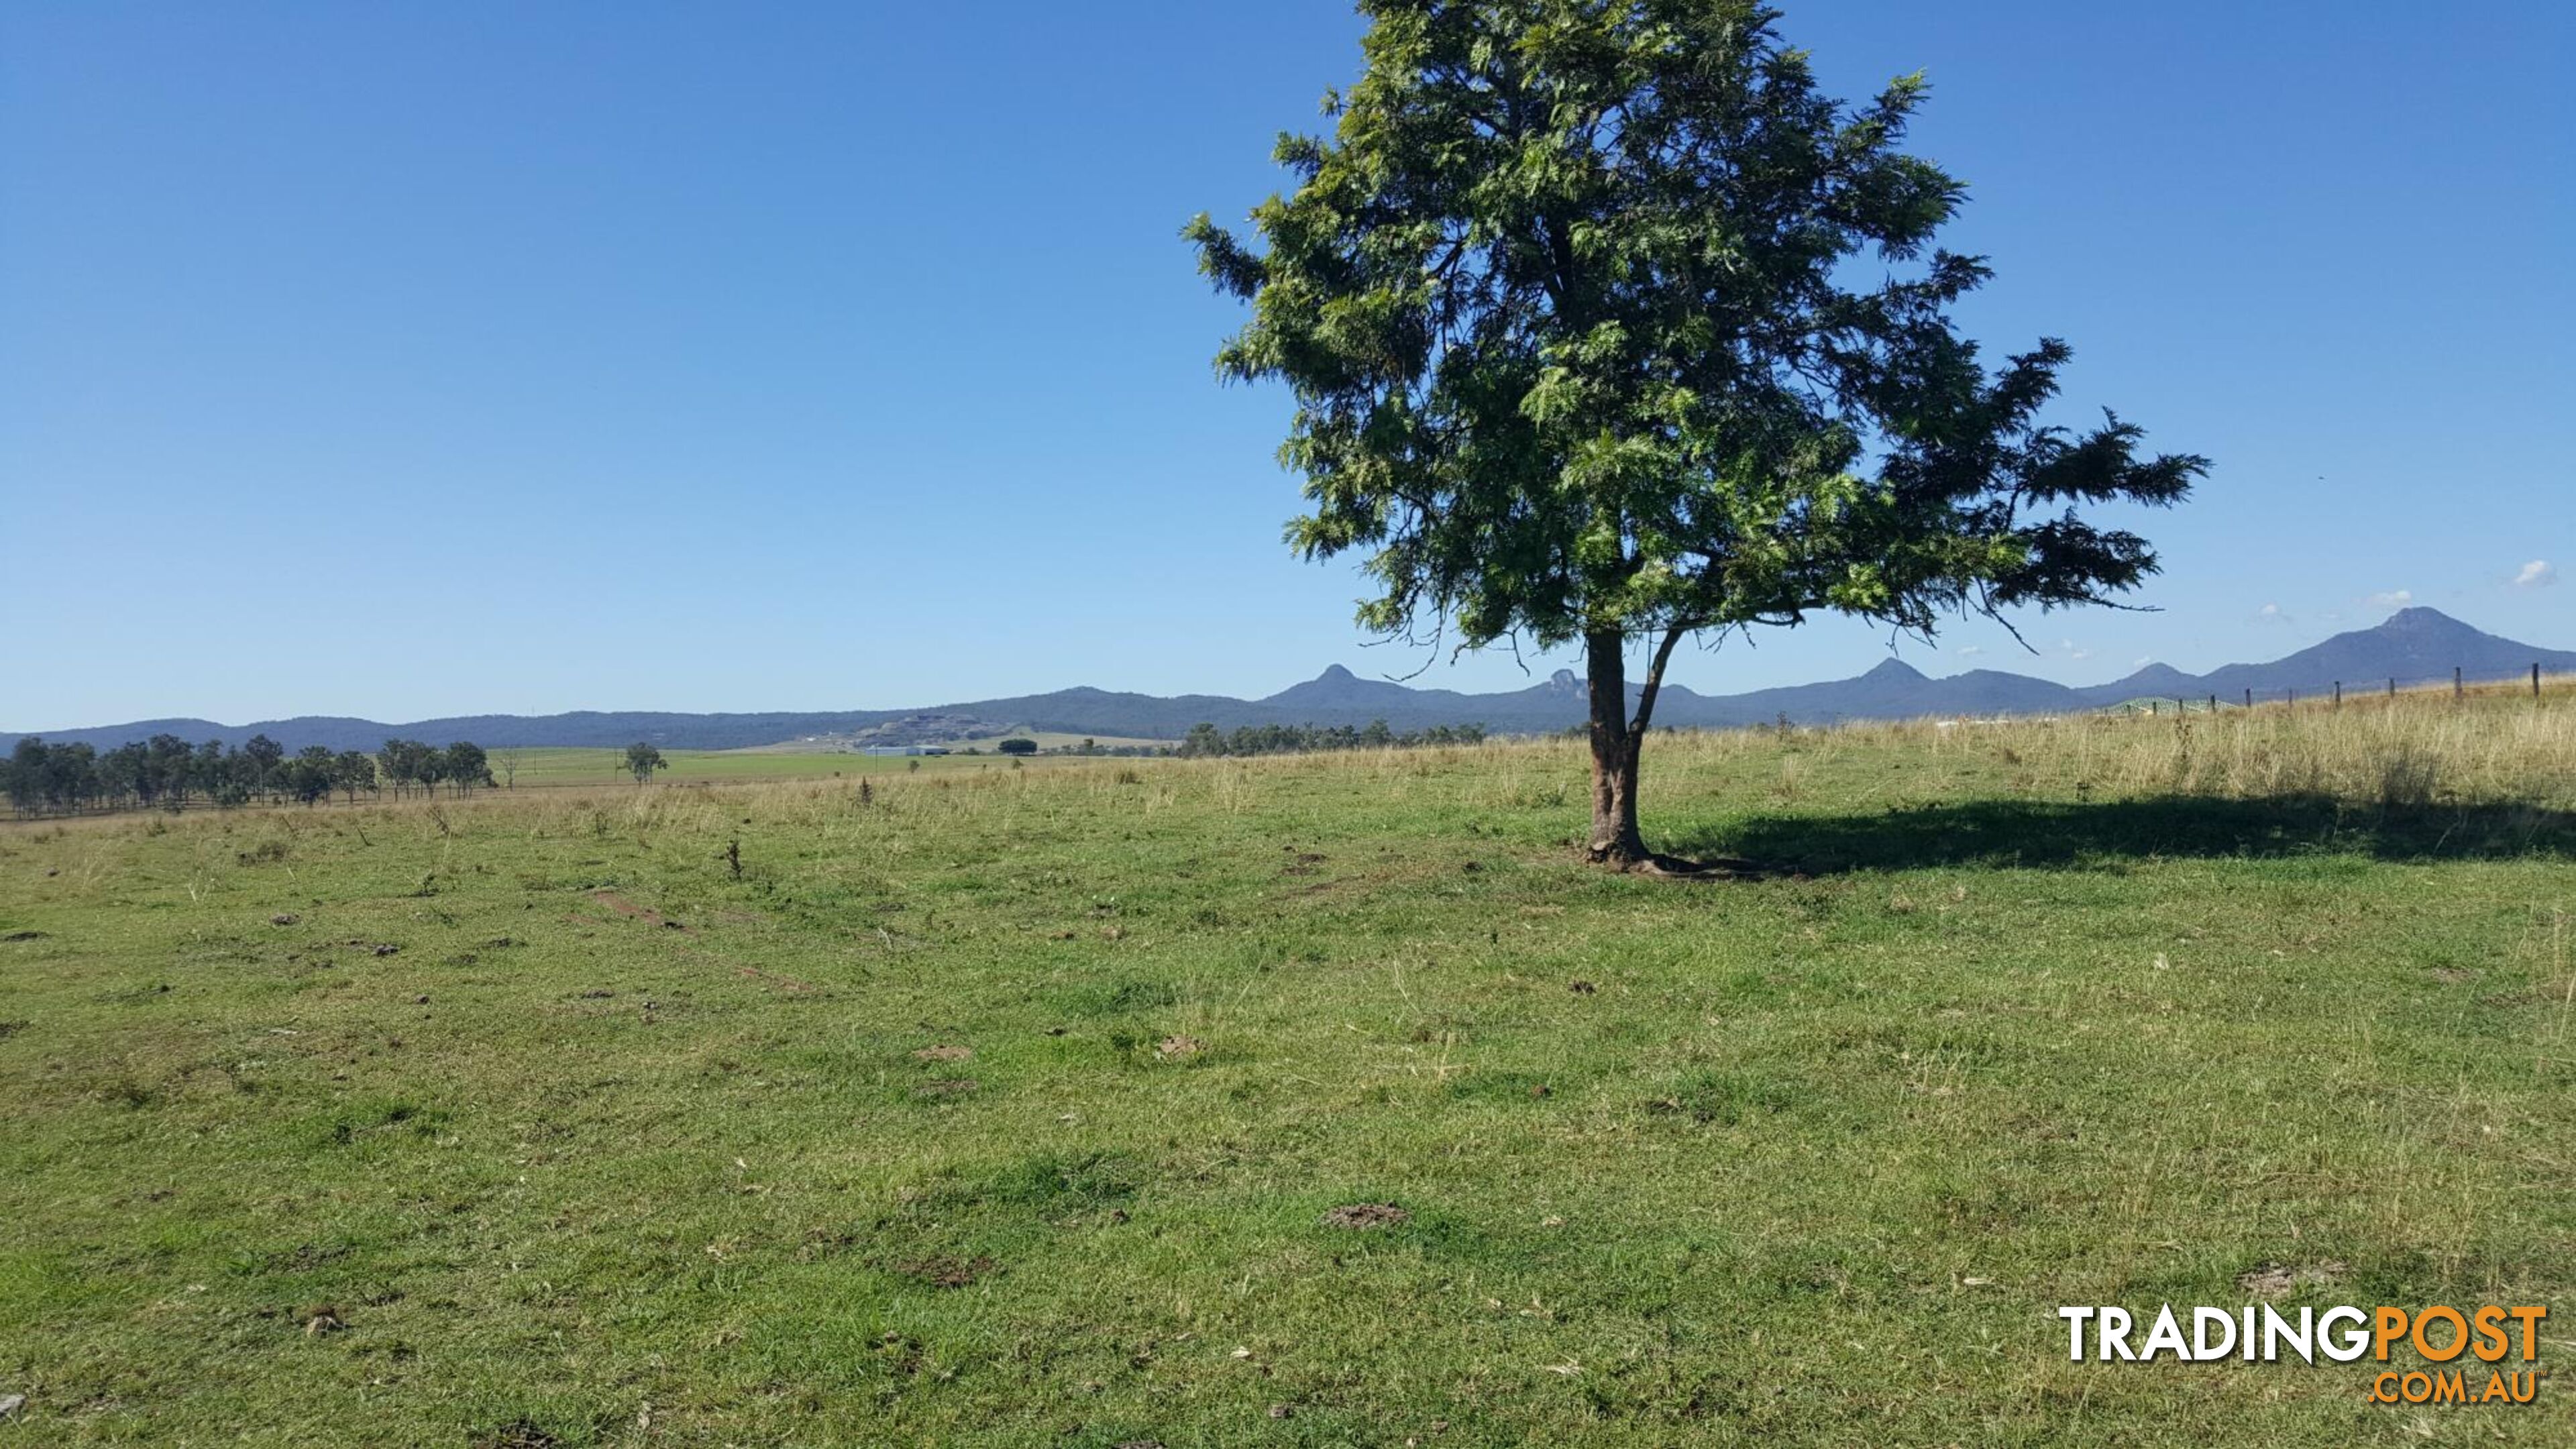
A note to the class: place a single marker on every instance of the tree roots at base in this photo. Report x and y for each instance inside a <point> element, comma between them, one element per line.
<point>1674,867</point>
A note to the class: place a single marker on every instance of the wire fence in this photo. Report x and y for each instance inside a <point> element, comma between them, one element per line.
<point>2334,694</point>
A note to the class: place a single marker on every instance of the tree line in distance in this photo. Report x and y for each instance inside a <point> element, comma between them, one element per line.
<point>168,772</point>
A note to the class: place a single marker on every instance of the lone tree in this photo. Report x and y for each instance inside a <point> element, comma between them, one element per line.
<point>642,760</point>
<point>1604,326</point>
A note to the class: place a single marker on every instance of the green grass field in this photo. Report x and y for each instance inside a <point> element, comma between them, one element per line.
<point>1008,1108</point>
<point>553,767</point>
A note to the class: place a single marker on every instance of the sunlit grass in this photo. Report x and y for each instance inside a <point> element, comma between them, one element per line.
<point>526,1119</point>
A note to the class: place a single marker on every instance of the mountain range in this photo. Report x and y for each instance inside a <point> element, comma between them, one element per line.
<point>2412,646</point>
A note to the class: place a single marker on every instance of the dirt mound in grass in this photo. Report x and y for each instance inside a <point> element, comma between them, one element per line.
<point>947,1272</point>
<point>2278,1280</point>
<point>1365,1215</point>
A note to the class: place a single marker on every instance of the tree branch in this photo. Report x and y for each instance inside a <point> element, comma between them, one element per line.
<point>1653,683</point>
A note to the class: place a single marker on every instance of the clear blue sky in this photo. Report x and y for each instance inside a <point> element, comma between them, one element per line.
<point>401,360</point>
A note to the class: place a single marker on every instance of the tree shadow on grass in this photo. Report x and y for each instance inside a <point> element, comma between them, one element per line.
<point>2045,834</point>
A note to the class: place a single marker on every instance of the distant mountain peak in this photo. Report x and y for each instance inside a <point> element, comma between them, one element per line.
<point>2419,619</point>
<point>2411,646</point>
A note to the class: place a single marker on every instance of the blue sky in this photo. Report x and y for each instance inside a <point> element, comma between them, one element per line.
<point>401,360</point>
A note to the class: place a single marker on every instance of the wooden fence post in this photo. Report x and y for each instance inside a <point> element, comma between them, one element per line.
<point>2459,687</point>
<point>2338,694</point>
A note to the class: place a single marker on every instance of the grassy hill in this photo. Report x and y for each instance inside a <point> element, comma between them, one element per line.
<point>1024,1107</point>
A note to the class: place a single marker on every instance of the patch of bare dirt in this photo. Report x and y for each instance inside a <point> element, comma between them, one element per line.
<point>1174,1047</point>
<point>624,907</point>
<point>945,1272</point>
<point>1362,1216</point>
<point>2279,1280</point>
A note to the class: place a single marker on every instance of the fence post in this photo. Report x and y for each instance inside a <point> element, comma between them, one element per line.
<point>2213,704</point>
<point>2249,698</point>
<point>2535,681</point>
<point>2392,690</point>
<point>2338,694</point>
<point>2459,687</point>
<point>2294,699</point>
<point>2153,709</point>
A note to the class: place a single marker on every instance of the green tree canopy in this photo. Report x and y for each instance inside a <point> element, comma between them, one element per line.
<point>465,766</point>
<point>1605,325</point>
<point>642,760</point>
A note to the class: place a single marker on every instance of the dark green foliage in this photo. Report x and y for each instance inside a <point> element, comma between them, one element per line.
<point>1571,307</point>
<point>352,771</point>
<point>642,760</point>
<point>166,772</point>
<point>310,775</point>
<point>1282,739</point>
<point>465,766</point>
<point>1017,747</point>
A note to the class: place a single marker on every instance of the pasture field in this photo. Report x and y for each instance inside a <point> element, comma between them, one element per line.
<point>1015,1107</point>
<point>540,768</point>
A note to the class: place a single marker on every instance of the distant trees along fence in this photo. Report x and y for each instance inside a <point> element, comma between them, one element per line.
<point>168,772</point>
<point>1205,739</point>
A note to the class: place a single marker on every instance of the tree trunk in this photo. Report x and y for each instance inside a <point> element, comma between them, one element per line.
<point>1615,838</point>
